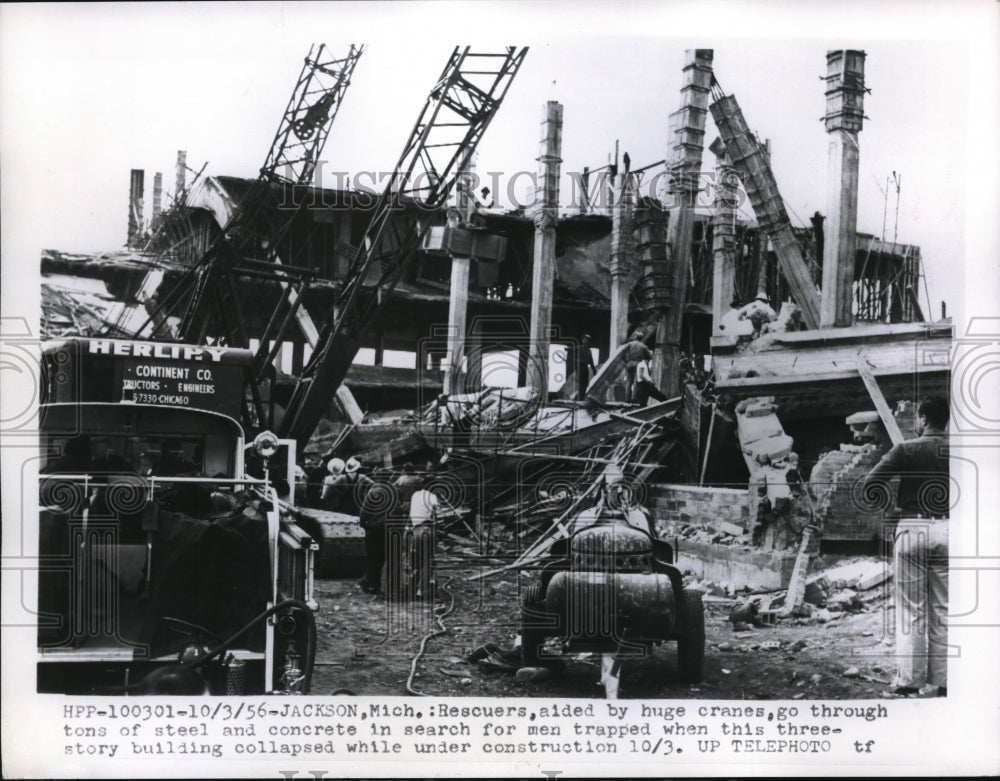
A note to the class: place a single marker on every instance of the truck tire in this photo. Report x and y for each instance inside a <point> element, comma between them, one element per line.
<point>691,642</point>
<point>532,635</point>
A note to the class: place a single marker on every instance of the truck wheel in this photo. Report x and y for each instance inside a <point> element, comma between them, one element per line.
<point>691,642</point>
<point>532,635</point>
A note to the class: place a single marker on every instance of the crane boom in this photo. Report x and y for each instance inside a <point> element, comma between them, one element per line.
<point>292,159</point>
<point>456,113</point>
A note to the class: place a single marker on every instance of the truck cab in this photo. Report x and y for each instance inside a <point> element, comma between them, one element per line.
<point>168,561</point>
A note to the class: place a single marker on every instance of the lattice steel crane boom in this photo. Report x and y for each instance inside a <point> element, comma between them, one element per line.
<point>292,160</point>
<point>459,108</point>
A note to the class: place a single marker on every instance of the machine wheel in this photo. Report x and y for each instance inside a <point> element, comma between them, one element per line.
<point>691,642</point>
<point>532,636</point>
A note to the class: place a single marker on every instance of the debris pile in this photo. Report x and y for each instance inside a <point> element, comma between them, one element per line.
<point>853,586</point>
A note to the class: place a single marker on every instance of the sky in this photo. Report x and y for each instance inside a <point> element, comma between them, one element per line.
<point>91,91</point>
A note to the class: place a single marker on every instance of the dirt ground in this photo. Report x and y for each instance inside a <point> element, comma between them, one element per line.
<point>368,646</point>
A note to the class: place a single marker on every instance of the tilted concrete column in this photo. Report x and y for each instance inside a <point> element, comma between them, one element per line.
<point>621,266</point>
<point>458,299</point>
<point>750,159</point>
<point>684,165</point>
<point>723,236</point>
<point>845,93</point>
<point>546,214</point>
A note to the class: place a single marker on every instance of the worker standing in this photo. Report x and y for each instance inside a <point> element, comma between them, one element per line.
<point>585,368</point>
<point>397,553</point>
<point>920,550</point>
<point>358,501</point>
<point>635,351</point>
<point>334,486</point>
<point>424,506</point>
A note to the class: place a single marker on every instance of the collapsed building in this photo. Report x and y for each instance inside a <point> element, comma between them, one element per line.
<point>755,443</point>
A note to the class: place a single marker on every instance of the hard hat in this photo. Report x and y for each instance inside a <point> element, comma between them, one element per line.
<point>352,466</point>
<point>335,466</point>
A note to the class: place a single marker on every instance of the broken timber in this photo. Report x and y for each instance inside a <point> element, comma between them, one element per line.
<point>888,420</point>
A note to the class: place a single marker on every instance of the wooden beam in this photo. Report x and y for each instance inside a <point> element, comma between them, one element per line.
<point>881,405</point>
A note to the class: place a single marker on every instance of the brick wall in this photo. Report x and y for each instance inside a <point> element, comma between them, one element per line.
<point>672,504</point>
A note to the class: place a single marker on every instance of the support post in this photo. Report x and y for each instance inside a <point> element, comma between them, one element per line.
<point>723,236</point>
<point>845,93</point>
<point>544,264</point>
<point>684,165</point>
<point>157,199</point>
<point>458,300</point>
<point>621,266</point>
<point>135,193</point>
<point>180,182</point>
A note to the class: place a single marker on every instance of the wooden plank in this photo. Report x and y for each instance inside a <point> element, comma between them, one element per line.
<point>880,403</point>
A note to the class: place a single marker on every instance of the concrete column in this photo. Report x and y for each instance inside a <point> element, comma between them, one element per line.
<point>684,165</point>
<point>546,214</point>
<point>458,300</point>
<point>157,198</point>
<point>622,261</point>
<point>845,91</point>
<point>723,236</point>
<point>457,310</point>
<point>135,193</point>
<point>180,184</point>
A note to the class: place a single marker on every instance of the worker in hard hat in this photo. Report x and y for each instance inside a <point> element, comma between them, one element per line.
<point>370,501</point>
<point>334,486</point>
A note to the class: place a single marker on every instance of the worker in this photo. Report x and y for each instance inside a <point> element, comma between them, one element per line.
<point>644,385</point>
<point>732,325</point>
<point>424,507</point>
<point>920,549</point>
<point>334,486</point>
<point>366,500</point>
<point>759,313</point>
<point>585,368</point>
<point>404,486</point>
<point>635,351</point>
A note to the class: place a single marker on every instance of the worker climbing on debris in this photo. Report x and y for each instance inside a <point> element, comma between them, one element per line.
<point>644,385</point>
<point>759,312</point>
<point>424,508</point>
<point>585,368</point>
<point>635,351</point>
<point>920,550</point>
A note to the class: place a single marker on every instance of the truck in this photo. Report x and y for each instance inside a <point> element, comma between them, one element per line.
<point>170,561</point>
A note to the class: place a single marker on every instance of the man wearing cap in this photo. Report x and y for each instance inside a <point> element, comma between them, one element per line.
<point>361,500</point>
<point>334,486</point>
<point>635,351</point>
<point>920,549</point>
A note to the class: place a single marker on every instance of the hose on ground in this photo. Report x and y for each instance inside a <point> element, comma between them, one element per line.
<point>442,629</point>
